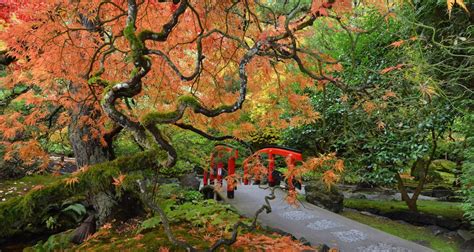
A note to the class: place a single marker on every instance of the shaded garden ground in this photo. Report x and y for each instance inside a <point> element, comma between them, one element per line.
<point>200,222</point>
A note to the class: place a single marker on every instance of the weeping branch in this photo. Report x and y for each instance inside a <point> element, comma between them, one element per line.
<point>213,138</point>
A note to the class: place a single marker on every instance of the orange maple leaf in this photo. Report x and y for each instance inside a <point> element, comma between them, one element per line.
<point>369,107</point>
<point>208,237</point>
<point>119,180</point>
<point>339,165</point>
<point>329,177</point>
<point>427,90</point>
<point>37,187</point>
<point>344,98</point>
<point>397,44</point>
<point>138,237</point>
<point>71,181</point>
<point>81,170</point>
<point>164,249</point>
<point>210,228</point>
<point>389,69</point>
<point>107,226</point>
<point>388,94</point>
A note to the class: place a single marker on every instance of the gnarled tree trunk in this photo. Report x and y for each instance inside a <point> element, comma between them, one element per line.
<point>88,150</point>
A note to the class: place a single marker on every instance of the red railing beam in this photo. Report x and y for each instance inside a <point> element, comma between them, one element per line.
<point>271,167</point>
<point>282,152</point>
<point>216,172</point>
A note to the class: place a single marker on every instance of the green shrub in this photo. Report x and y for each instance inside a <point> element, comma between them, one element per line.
<point>443,165</point>
<point>189,206</point>
<point>197,213</point>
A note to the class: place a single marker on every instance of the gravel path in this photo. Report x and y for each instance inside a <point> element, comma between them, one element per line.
<point>318,225</point>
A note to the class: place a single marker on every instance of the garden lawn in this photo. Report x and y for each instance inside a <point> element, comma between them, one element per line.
<point>451,210</point>
<point>409,232</point>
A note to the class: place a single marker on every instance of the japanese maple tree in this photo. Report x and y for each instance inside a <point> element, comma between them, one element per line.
<point>107,65</point>
<point>103,66</point>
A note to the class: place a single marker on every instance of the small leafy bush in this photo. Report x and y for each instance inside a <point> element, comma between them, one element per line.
<point>76,211</point>
<point>202,213</point>
<point>149,223</point>
<point>193,196</point>
<point>189,206</point>
<point>199,214</point>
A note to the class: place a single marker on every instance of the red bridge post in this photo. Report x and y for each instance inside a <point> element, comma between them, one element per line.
<point>230,182</point>
<point>204,178</point>
<point>216,171</point>
<point>271,167</point>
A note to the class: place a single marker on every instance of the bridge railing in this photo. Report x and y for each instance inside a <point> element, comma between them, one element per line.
<point>292,156</point>
<point>223,153</point>
<point>217,167</point>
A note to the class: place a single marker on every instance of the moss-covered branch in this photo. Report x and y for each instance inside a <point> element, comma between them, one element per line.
<point>167,27</point>
<point>27,213</point>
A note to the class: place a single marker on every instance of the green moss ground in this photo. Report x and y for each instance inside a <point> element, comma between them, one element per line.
<point>409,232</point>
<point>13,188</point>
<point>153,240</point>
<point>450,210</point>
<point>128,241</point>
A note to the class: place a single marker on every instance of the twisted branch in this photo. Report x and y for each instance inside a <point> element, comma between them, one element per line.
<point>235,230</point>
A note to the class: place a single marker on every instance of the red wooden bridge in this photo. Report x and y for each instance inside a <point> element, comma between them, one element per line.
<point>223,152</point>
